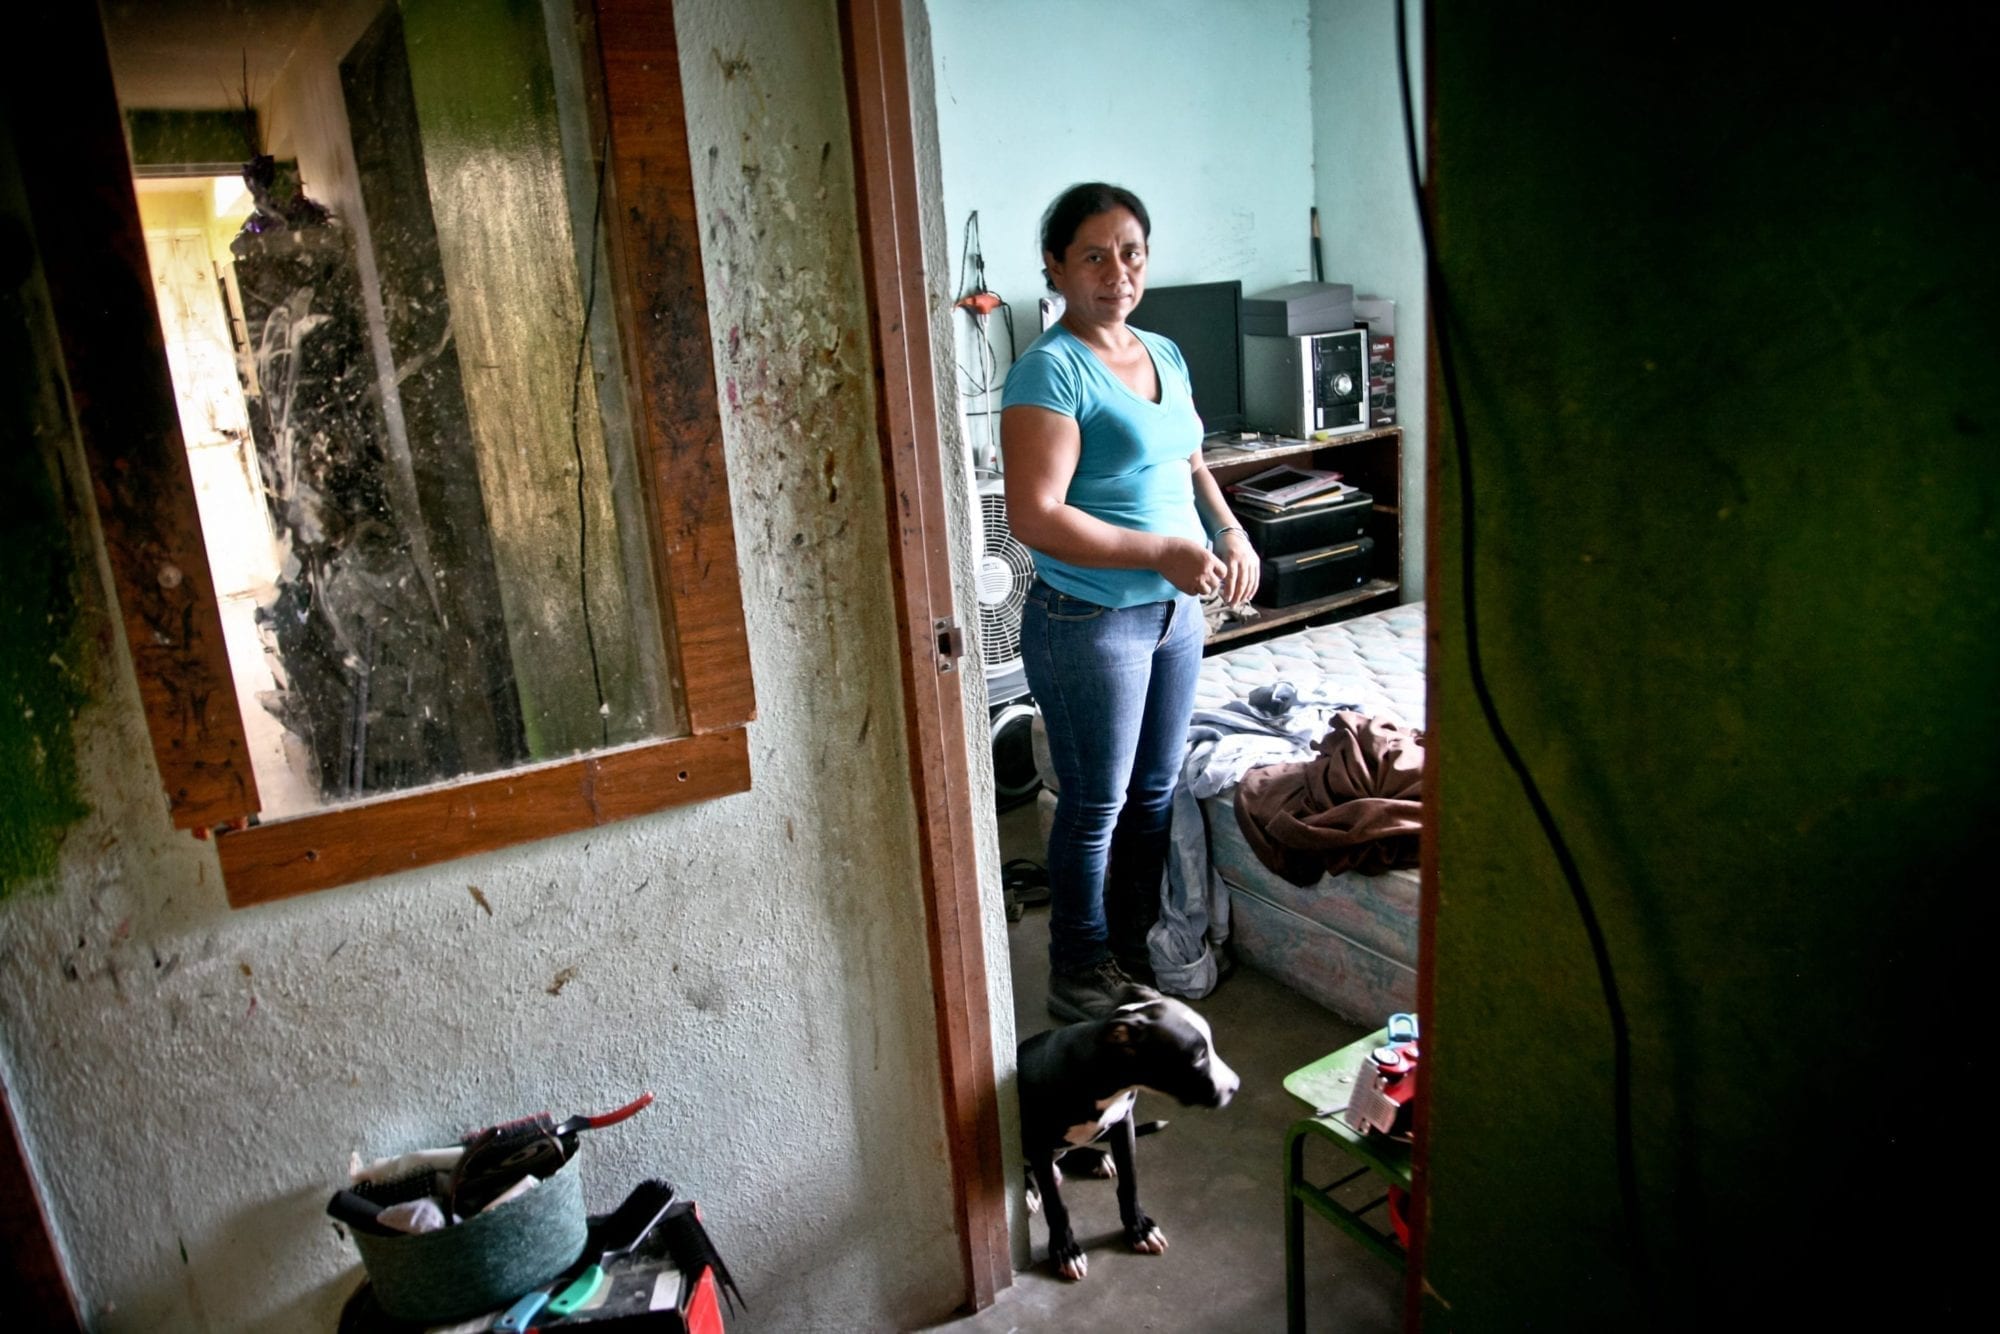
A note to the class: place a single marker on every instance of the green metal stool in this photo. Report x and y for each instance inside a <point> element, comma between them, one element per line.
<point>1325,1085</point>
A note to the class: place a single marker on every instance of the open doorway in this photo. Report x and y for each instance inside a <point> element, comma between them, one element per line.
<point>189,222</point>
<point>1247,127</point>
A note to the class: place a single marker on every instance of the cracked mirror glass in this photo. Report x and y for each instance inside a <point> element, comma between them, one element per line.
<point>375,232</point>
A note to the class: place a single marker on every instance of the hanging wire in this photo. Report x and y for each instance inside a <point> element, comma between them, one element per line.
<point>978,382</point>
<point>576,446</point>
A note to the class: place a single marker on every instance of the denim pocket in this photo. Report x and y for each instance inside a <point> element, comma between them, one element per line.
<point>1063,607</point>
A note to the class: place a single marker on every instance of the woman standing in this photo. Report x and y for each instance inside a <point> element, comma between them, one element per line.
<point>1107,488</point>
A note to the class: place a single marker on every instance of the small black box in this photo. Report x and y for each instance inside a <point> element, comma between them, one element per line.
<point>1290,580</point>
<point>1305,529</point>
<point>1299,308</point>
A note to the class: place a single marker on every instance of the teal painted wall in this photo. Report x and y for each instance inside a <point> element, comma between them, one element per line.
<point>1231,121</point>
<point>1202,109</point>
<point>1725,309</point>
<point>1368,211</point>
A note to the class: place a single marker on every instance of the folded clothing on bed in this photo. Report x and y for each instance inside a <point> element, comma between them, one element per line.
<point>1358,807</point>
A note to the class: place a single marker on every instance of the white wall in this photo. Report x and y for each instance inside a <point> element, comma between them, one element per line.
<point>190,1079</point>
<point>1368,214</point>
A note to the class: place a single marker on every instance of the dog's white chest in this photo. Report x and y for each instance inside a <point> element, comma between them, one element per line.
<point>1109,1112</point>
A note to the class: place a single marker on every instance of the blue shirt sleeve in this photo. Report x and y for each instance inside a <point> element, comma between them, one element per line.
<point>1040,379</point>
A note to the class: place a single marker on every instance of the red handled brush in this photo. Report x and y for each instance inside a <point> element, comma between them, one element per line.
<point>498,1156</point>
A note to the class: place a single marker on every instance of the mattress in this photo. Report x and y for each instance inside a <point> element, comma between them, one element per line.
<point>1379,658</point>
<point>1348,941</point>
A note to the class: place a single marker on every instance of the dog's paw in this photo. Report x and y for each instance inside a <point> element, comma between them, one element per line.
<point>1145,1237</point>
<point>1069,1260</point>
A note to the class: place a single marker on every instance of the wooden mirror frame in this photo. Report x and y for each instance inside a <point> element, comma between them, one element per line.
<point>85,215</point>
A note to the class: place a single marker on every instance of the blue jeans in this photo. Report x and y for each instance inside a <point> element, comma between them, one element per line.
<point>1115,686</point>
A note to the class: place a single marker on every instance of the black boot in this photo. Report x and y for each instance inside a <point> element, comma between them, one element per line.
<point>1133,882</point>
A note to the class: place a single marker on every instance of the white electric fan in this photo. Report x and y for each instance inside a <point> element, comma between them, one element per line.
<point>1004,573</point>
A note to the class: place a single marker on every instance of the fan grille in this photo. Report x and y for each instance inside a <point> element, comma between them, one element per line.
<point>1005,571</point>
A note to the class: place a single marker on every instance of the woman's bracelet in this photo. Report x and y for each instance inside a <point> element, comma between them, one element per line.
<point>1219,533</point>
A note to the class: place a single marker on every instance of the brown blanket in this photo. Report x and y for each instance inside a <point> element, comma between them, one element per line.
<point>1356,808</point>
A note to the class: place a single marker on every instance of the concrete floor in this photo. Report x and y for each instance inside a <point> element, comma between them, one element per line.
<point>1213,1180</point>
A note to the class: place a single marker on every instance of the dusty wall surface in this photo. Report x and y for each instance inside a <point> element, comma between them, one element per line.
<point>1722,314</point>
<point>190,1080</point>
<point>47,652</point>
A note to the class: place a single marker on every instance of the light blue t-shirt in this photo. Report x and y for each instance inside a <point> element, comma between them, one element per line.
<point>1133,469</point>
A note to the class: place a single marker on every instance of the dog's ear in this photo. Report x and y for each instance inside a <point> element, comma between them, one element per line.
<point>1119,1034</point>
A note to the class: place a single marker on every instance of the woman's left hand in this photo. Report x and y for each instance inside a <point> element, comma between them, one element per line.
<point>1242,567</point>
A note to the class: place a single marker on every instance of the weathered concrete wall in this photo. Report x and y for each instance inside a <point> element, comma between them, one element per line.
<point>190,1080</point>
<point>47,657</point>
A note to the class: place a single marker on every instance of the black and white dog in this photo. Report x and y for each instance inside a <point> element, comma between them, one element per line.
<point>1078,1086</point>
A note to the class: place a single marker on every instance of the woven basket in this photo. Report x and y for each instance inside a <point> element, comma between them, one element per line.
<point>486,1261</point>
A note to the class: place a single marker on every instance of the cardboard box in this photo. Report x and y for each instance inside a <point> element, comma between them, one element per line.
<point>1381,372</point>
<point>1378,313</point>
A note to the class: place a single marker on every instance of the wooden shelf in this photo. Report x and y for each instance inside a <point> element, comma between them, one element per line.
<point>1227,454</point>
<point>1268,618</point>
<point>1375,466</point>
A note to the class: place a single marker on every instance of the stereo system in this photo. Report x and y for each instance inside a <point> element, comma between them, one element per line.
<point>1308,384</point>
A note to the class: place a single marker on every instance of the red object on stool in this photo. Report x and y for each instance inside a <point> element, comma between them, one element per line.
<point>1399,1215</point>
<point>704,1314</point>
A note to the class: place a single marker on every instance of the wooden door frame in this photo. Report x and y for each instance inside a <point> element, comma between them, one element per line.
<point>873,38</point>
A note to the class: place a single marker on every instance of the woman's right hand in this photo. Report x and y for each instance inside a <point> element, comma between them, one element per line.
<point>1191,567</point>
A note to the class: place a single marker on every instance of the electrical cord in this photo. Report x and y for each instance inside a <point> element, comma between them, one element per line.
<point>1621,1036</point>
<point>979,302</point>
<point>576,447</point>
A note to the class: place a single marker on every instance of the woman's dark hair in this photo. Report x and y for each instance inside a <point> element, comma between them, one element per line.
<point>1088,200</point>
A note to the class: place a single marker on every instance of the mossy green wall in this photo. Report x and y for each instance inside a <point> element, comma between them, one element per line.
<point>1726,324</point>
<point>44,650</point>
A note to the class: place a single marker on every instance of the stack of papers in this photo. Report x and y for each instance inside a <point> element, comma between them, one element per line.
<point>1285,489</point>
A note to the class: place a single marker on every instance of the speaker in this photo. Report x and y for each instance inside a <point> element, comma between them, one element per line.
<point>1314,384</point>
<point>1015,779</point>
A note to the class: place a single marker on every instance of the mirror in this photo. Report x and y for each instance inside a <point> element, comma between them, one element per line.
<point>376,246</point>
